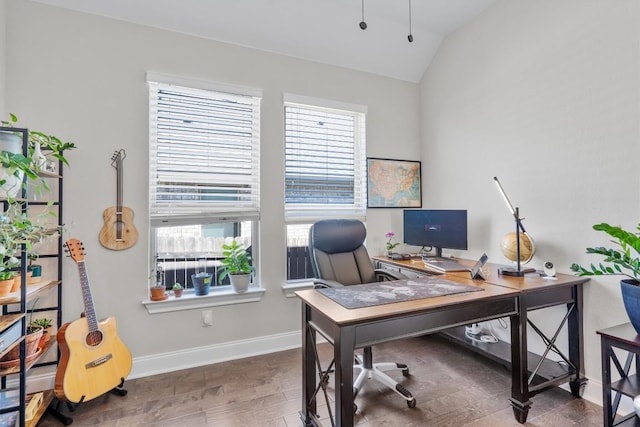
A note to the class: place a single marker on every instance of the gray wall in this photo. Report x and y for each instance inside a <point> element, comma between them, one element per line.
<point>82,77</point>
<point>545,95</point>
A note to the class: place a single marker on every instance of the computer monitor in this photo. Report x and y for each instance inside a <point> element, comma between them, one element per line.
<point>436,228</point>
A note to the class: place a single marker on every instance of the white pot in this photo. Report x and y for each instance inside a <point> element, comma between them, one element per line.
<point>240,282</point>
<point>13,144</point>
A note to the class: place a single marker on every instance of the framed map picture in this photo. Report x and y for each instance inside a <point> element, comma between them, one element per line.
<point>393,183</point>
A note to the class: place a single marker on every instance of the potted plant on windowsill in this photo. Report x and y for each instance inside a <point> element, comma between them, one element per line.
<point>177,290</point>
<point>201,283</point>
<point>623,260</point>
<point>158,292</point>
<point>237,265</point>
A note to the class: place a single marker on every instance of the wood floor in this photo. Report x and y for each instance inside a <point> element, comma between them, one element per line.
<point>453,387</point>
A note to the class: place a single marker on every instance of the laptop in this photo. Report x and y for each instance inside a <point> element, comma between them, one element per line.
<point>447,266</point>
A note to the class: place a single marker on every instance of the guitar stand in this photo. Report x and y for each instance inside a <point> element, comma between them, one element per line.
<point>54,409</point>
<point>54,406</point>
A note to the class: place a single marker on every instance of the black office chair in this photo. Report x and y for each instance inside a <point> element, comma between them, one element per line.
<point>338,258</point>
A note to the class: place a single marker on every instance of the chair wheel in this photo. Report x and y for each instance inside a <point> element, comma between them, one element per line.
<point>405,372</point>
<point>411,403</point>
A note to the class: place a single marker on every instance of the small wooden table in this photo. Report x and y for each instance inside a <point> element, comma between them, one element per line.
<point>626,338</point>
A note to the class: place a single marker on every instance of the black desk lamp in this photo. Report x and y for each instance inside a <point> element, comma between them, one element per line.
<point>509,271</point>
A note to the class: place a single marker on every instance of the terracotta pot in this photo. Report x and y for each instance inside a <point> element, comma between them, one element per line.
<point>17,282</point>
<point>46,336</point>
<point>5,287</point>
<point>32,340</point>
<point>157,291</point>
<point>178,292</point>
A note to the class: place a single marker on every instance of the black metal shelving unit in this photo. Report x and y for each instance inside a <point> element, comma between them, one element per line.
<point>15,308</point>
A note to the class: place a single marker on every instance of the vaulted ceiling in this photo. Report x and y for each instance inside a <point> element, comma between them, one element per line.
<point>324,31</point>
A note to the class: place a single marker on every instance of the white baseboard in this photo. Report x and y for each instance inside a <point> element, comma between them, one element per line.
<point>166,362</point>
<point>177,360</point>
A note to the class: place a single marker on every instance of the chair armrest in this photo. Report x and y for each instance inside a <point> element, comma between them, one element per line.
<point>383,275</point>
<point>322,283</point>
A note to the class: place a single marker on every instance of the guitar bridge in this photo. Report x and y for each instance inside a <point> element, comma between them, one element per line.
<point>98,361</point>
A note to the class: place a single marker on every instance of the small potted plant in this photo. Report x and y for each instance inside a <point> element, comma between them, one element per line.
<point>623,260</point>
<point>12,358</point>
<point>17,229</point>
<point>237,265</point>
<point>47,325</point>
<point>177,290</point>
<point>201,283</point>
<point>15,164</point>
<point>35,269</point>
<point>158,290</point>
<point>390,246</point>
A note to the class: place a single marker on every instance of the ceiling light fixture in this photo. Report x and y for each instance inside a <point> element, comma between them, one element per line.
<point>363,25</point>
<point>410,36</point>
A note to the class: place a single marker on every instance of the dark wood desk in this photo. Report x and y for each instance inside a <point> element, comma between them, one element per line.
<point>502,297</point>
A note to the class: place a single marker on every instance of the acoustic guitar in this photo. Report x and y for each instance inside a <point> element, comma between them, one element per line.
<point>93,359</point>
<point>118,231</point>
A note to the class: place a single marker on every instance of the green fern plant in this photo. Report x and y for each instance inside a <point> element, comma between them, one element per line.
<point>624,259</point>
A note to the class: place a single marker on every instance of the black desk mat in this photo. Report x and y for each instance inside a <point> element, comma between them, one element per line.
<point>372,294</point>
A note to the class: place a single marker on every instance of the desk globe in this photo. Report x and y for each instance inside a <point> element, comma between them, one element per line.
<point>509,247</point>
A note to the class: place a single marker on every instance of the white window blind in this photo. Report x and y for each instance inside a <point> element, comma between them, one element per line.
<point>324,162</point>
<point>204,154</point>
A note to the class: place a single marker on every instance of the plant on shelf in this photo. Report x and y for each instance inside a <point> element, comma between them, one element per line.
<point>47,325</point>
<point>34,269</point>
<point>17,165</point>
<point>623,259</point>
<point>237,265</point>
<point>17,230</point>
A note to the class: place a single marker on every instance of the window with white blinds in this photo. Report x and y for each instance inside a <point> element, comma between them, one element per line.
<point>204,153</point>
<point>324,161</point>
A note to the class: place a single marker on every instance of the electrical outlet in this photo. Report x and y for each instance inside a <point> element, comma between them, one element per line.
<point>207,318</point>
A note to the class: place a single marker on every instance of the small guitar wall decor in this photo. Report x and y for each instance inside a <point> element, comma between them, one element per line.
<point>118,231</point>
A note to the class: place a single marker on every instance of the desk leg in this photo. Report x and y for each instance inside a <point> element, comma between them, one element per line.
<point>343,354</point>
<point>520,402</point>
<point>308,413</point>
<point>576,343</point>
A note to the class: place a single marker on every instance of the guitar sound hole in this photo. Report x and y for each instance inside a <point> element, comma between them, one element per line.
<point>94,338</point>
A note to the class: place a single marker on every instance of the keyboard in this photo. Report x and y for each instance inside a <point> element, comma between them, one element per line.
<point>445,265</point>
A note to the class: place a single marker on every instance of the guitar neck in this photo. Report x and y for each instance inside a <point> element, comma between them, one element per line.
<point>119,187</point>
<point>119,198</point>
<point>89,310</point>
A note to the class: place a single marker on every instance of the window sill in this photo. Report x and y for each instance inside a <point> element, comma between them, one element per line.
<point>290,288</point>
<point>216,297</point>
